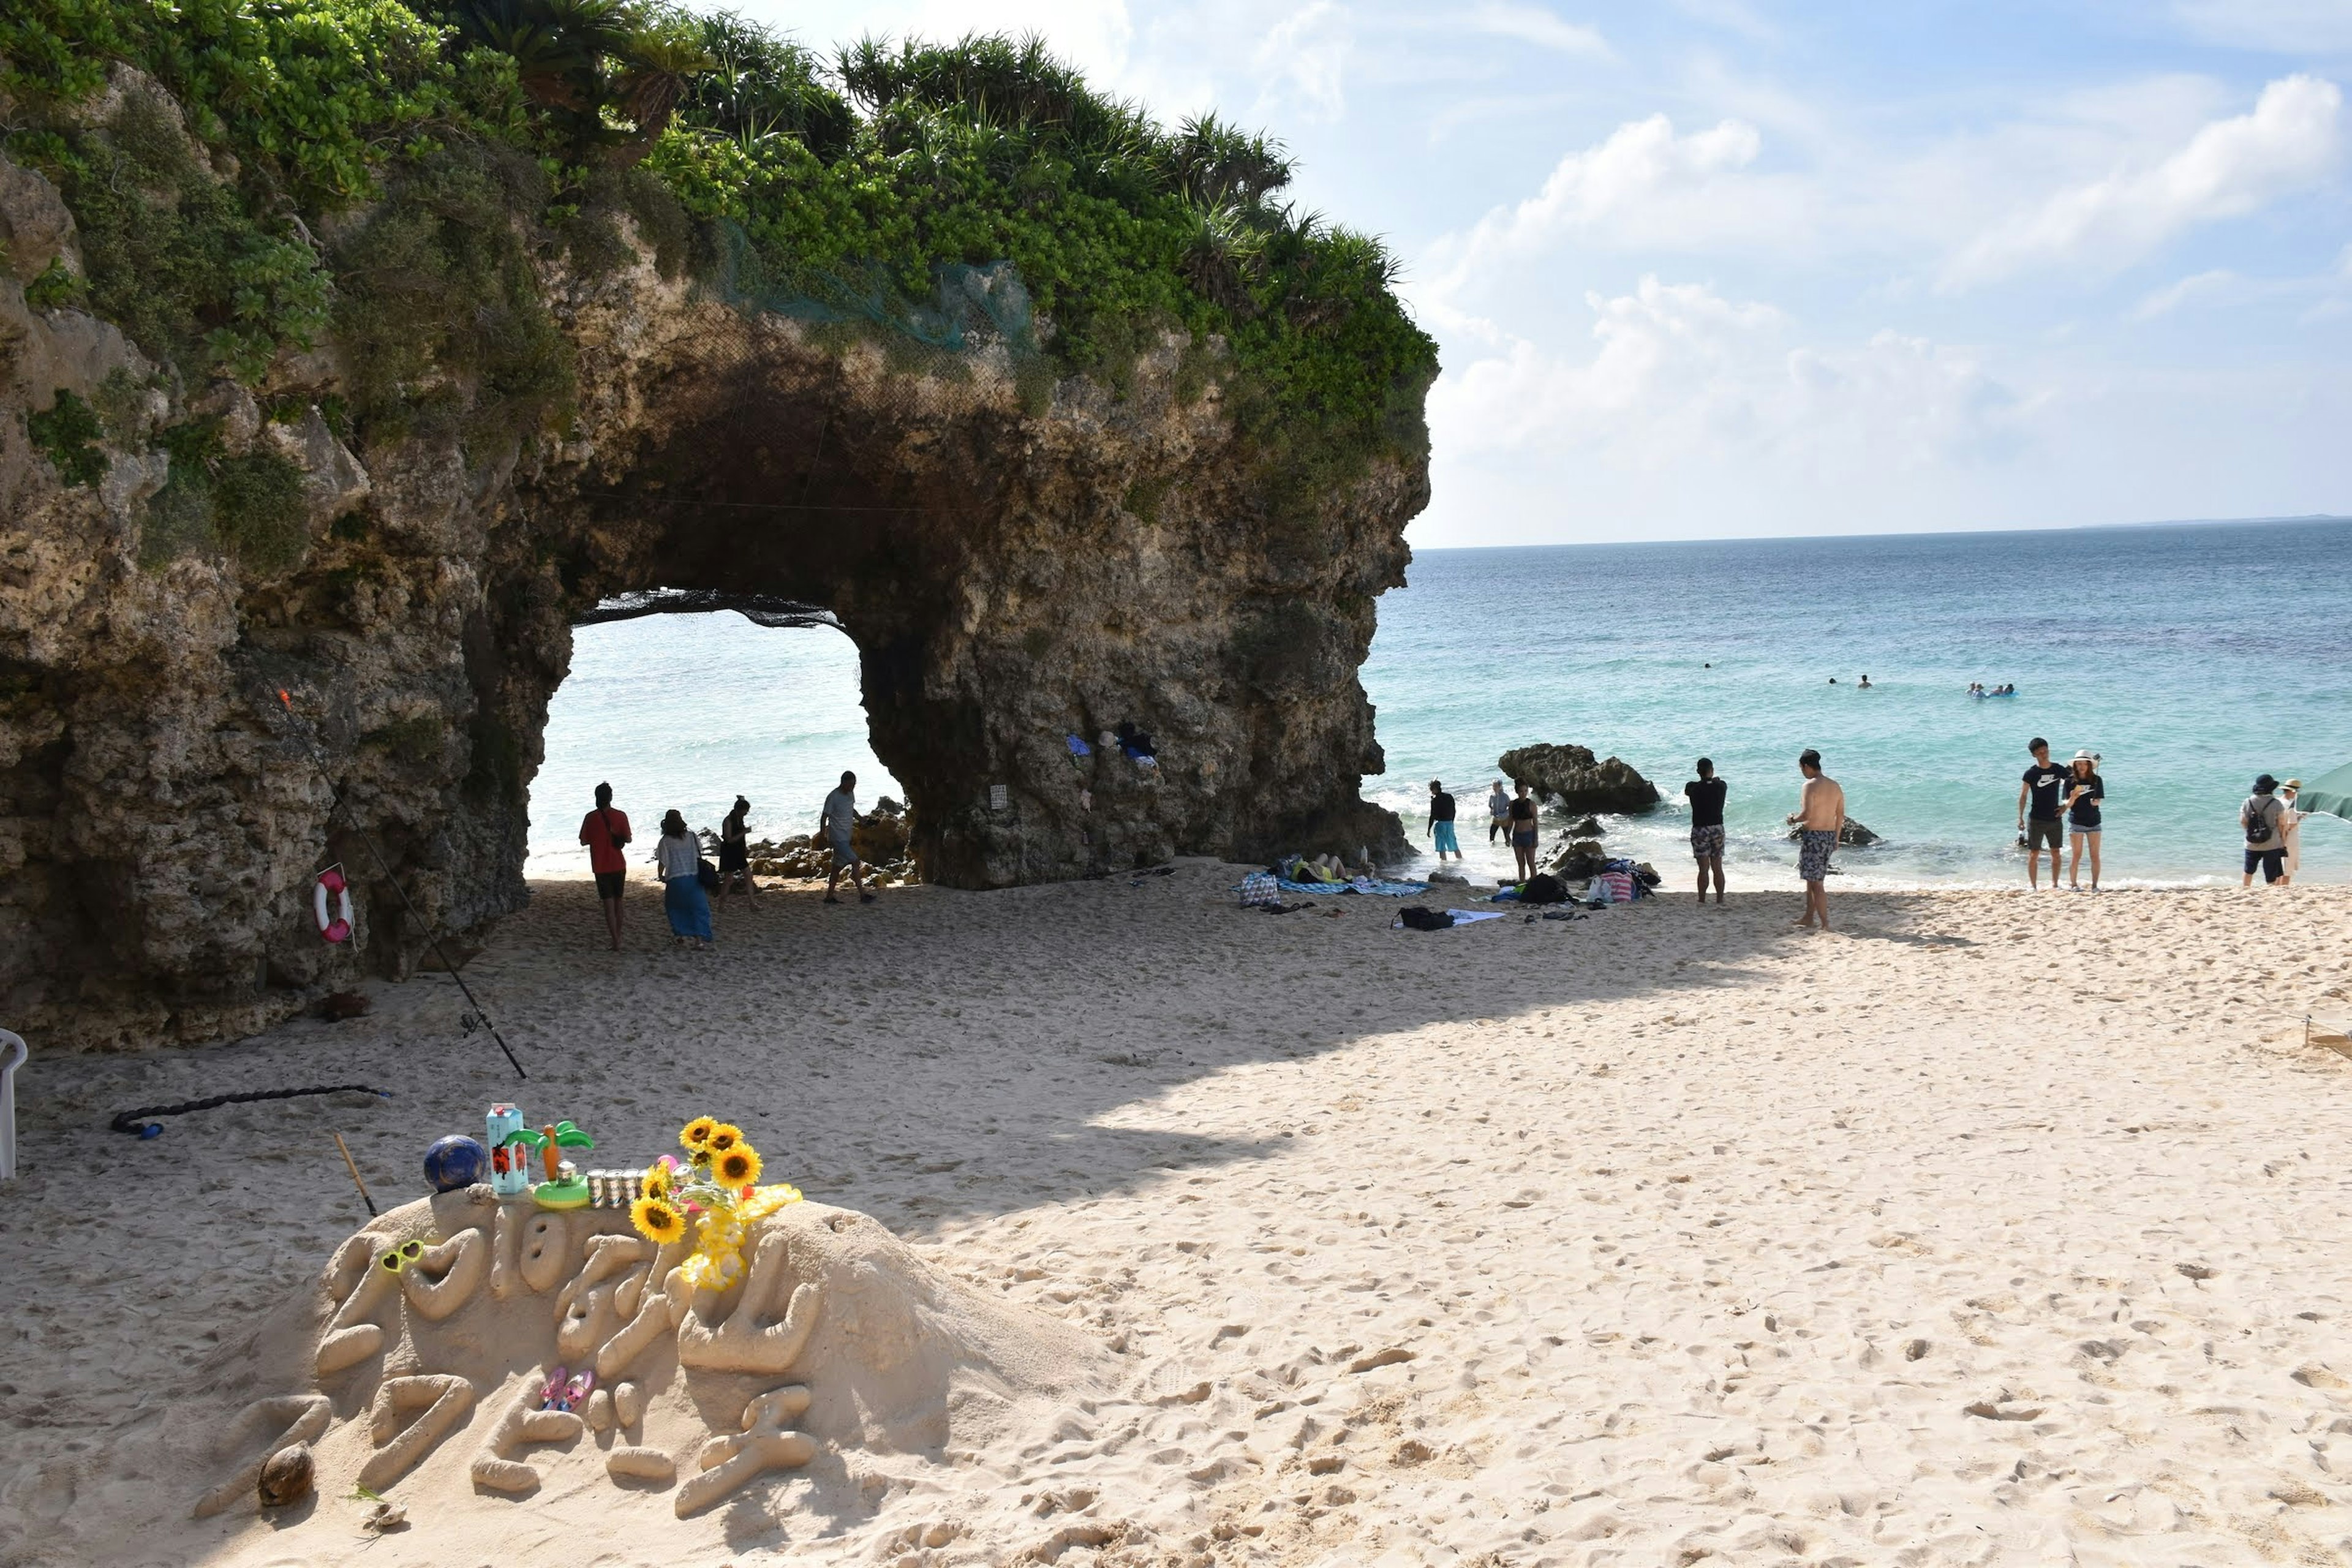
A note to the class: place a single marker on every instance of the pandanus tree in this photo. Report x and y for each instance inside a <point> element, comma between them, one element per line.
<point>589,63</point>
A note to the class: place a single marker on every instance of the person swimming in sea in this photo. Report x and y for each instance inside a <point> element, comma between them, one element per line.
<point>1865,685</point>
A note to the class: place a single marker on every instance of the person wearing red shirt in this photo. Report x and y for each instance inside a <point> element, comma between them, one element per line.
<point>606,833</point>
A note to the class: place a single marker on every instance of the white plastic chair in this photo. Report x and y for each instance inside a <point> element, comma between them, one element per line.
<point>12,1057</point>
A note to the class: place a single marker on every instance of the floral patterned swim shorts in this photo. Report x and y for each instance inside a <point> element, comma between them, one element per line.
<point>1813,853</point>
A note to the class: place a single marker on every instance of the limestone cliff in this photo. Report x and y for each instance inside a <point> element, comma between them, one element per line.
<point>1015,564</point>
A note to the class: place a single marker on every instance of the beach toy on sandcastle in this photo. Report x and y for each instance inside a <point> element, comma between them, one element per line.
<point>717,1329</point>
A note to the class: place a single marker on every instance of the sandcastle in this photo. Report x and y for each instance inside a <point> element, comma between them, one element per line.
<point>422,1361</point>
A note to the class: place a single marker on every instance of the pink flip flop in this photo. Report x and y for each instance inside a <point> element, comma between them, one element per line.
<point>576,1393</point>
<point>550,1397</point>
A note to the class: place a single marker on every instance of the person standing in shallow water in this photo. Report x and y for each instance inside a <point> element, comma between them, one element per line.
<point>606,833</point>
<point>1705,794</point>
<point>678,857</point>
<point>1440,823</point>
<point>1498,811</point>
<point>1818,817</point>
<point>840,819</point>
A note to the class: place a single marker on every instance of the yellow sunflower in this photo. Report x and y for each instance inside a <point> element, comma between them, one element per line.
<point>696,1133</point>
<point>656,1182</point>
<point>723,1137</point>
<point>657,1220</point>
<point>738,1167</point>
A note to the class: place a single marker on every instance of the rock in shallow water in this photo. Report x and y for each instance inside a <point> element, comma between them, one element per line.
<point>1574,779</point>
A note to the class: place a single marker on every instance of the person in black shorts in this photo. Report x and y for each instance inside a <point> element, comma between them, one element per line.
<point>1705,794</point>
<point>2084,790</point>
<point>1524,833</point>
<point>2041,805</point>
<point>605,832</point>
<point>2259,820</point>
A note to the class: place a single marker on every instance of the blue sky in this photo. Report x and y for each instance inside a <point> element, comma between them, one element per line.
<point>1730,268</point>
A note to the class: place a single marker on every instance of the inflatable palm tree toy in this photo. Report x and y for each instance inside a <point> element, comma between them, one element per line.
<point>564,1188</point>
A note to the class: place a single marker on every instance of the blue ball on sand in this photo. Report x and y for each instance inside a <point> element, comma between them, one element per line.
<point>456,1162</point>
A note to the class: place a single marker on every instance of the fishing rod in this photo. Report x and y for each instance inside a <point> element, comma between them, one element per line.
<point>432,929</point>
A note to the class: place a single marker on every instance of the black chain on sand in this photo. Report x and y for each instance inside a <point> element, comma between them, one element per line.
<point>136,1124</point>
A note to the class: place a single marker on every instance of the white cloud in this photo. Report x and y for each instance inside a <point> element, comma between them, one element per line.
<point>1643,186</point>
<point>1534,25</point>
<point>2172,296</point>
<point>1682,378</point>
<point>1303,59</point>
<point>2227,169</point>
<point>1641,163</point>
<point>2281,26</point>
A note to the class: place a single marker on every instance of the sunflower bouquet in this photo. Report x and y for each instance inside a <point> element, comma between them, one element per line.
<point>715,1190</point>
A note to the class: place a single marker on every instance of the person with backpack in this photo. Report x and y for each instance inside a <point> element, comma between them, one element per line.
<point>606,833</point>
<point>679,857</point>
<point>1441,822</point>
<point>2259,820</point>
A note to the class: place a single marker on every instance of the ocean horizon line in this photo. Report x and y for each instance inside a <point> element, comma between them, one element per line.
<point>2036,531</point>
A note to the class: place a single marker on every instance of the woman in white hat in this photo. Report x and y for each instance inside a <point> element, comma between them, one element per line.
<point>2289,826</point>
<point>2084,790</point>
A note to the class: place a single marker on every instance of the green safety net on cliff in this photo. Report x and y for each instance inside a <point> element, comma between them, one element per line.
<point>970,306</point>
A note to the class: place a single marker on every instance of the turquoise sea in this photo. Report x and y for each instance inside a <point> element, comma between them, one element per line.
<point>2190,656</point>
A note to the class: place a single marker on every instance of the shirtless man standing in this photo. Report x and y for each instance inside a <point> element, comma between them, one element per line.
<point>1820,813</point>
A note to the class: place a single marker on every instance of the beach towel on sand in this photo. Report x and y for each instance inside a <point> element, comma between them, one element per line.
<point>1360,885</point>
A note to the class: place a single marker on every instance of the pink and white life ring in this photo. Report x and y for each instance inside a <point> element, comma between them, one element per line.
<point>337,928</point>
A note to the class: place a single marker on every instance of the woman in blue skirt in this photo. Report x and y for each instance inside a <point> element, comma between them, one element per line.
<point>679,857</point>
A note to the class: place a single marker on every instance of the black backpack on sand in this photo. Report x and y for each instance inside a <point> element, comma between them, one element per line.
<point>1421,918</point>
<point>1543,888</point>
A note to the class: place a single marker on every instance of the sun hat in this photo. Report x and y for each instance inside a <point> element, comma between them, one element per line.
<point>2086,756</point>
<point>2292,783</point>
<point>2264,783</point>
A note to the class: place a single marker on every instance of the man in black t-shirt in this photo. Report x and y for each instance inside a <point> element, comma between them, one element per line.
<point>2040,803</point>
<point>1441,822</point>
<point>1705,794</point>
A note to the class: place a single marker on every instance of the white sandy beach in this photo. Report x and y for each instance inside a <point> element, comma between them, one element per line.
<point>1988,1229</point>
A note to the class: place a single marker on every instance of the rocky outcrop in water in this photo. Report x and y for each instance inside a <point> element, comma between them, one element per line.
<point>1018,563</point>
<point>1574,780</point>
<point>1852,835</point>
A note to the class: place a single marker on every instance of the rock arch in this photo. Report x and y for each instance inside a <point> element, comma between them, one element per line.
<point>1016,561</point>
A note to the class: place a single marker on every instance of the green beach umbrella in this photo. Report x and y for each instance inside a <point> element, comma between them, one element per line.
<point>2332,794</point>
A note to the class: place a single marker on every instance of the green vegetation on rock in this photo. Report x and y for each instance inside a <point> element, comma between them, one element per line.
<point>67,433</point>
<point>448,151</point>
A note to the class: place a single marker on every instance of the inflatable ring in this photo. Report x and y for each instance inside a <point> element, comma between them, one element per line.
<point>337,928</point>
<point>571,1192</point>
